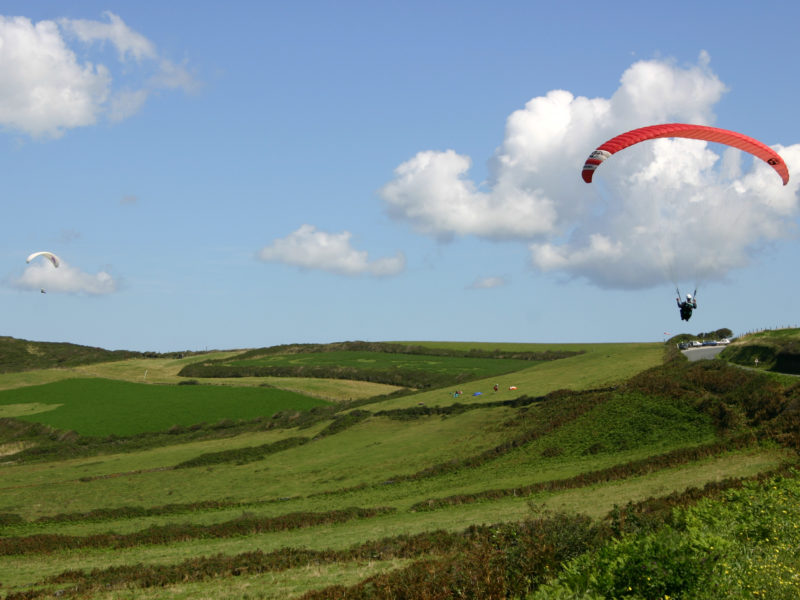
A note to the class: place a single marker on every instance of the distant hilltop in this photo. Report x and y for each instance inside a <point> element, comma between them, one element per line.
<point>18,355</point>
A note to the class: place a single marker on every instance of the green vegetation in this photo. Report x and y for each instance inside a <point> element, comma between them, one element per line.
<point>22,355</point>
<point>743,545</point>
<point>773,350</point>
<point>617,470</point>
<point>412,366</point>
<point>102,407</point>
<point>720,334</point>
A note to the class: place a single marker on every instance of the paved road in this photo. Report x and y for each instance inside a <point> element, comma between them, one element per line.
<point>703,352</point>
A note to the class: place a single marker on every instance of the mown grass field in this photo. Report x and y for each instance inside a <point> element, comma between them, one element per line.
<point>102,407</point>
<point>334,493</point>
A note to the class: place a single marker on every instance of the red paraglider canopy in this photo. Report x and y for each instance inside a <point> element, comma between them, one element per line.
<point>682,130</point>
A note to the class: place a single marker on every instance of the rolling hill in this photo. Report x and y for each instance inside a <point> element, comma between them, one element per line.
<point>357,489</point>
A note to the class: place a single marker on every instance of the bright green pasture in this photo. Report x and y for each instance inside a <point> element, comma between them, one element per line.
<point>625,428</point>
<point>101,407</point>
<point>599,366</point>
<point>366,453</point>
<point>23,480</point>
<point>596,501</point>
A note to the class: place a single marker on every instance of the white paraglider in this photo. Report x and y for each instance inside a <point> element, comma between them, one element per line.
<point>48,256</point>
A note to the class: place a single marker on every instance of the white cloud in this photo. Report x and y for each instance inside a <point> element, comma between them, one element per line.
<point>431,192</point>
<point>125,40</point>
<point>487,283</point>
<point>65,279</point>
<point>667,209</point>
<point>47,90</point>
<point>44,89</point>
<point>309,248</point>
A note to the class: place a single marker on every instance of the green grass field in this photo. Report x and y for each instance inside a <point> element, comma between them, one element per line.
<point>165,370</point>
<point>101,407</point>
<point>474,368</point>
<point>124,521</point>
<point>405,365</point>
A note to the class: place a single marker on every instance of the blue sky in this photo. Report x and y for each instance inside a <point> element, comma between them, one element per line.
<point>247,174</point>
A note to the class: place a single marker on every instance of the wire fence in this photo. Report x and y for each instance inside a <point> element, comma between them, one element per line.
<point>777,328</point>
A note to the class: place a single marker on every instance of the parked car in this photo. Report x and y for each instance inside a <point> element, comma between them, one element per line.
<point>709,343</point>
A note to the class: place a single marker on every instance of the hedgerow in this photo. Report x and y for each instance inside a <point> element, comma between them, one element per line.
<point>242,456</point>
<point>562,408</point>
<point>166,534</point>
<point>497,562</point>
<point>519,554</point>
<point>494,561</point>
<point>552,415</point>
<point>615,473</point>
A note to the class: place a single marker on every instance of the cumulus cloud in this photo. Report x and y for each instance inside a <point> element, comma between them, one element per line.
<point>431,192</point>
<point>668,209</point>
<point>42,275</point>
<point>487,283</point>
<point>46,88</point>
<point>309,248</point>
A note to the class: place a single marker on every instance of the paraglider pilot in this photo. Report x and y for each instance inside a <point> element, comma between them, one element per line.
<point>686,307</point>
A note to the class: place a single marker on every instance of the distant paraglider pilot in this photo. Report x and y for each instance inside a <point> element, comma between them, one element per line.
<point>686,307</point>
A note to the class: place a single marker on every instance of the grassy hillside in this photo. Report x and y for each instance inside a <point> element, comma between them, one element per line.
<point>410,366</point>
<point>23,355</point>
<point>424,495</point>
<point>775,350</point>
<point>163,370</point>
